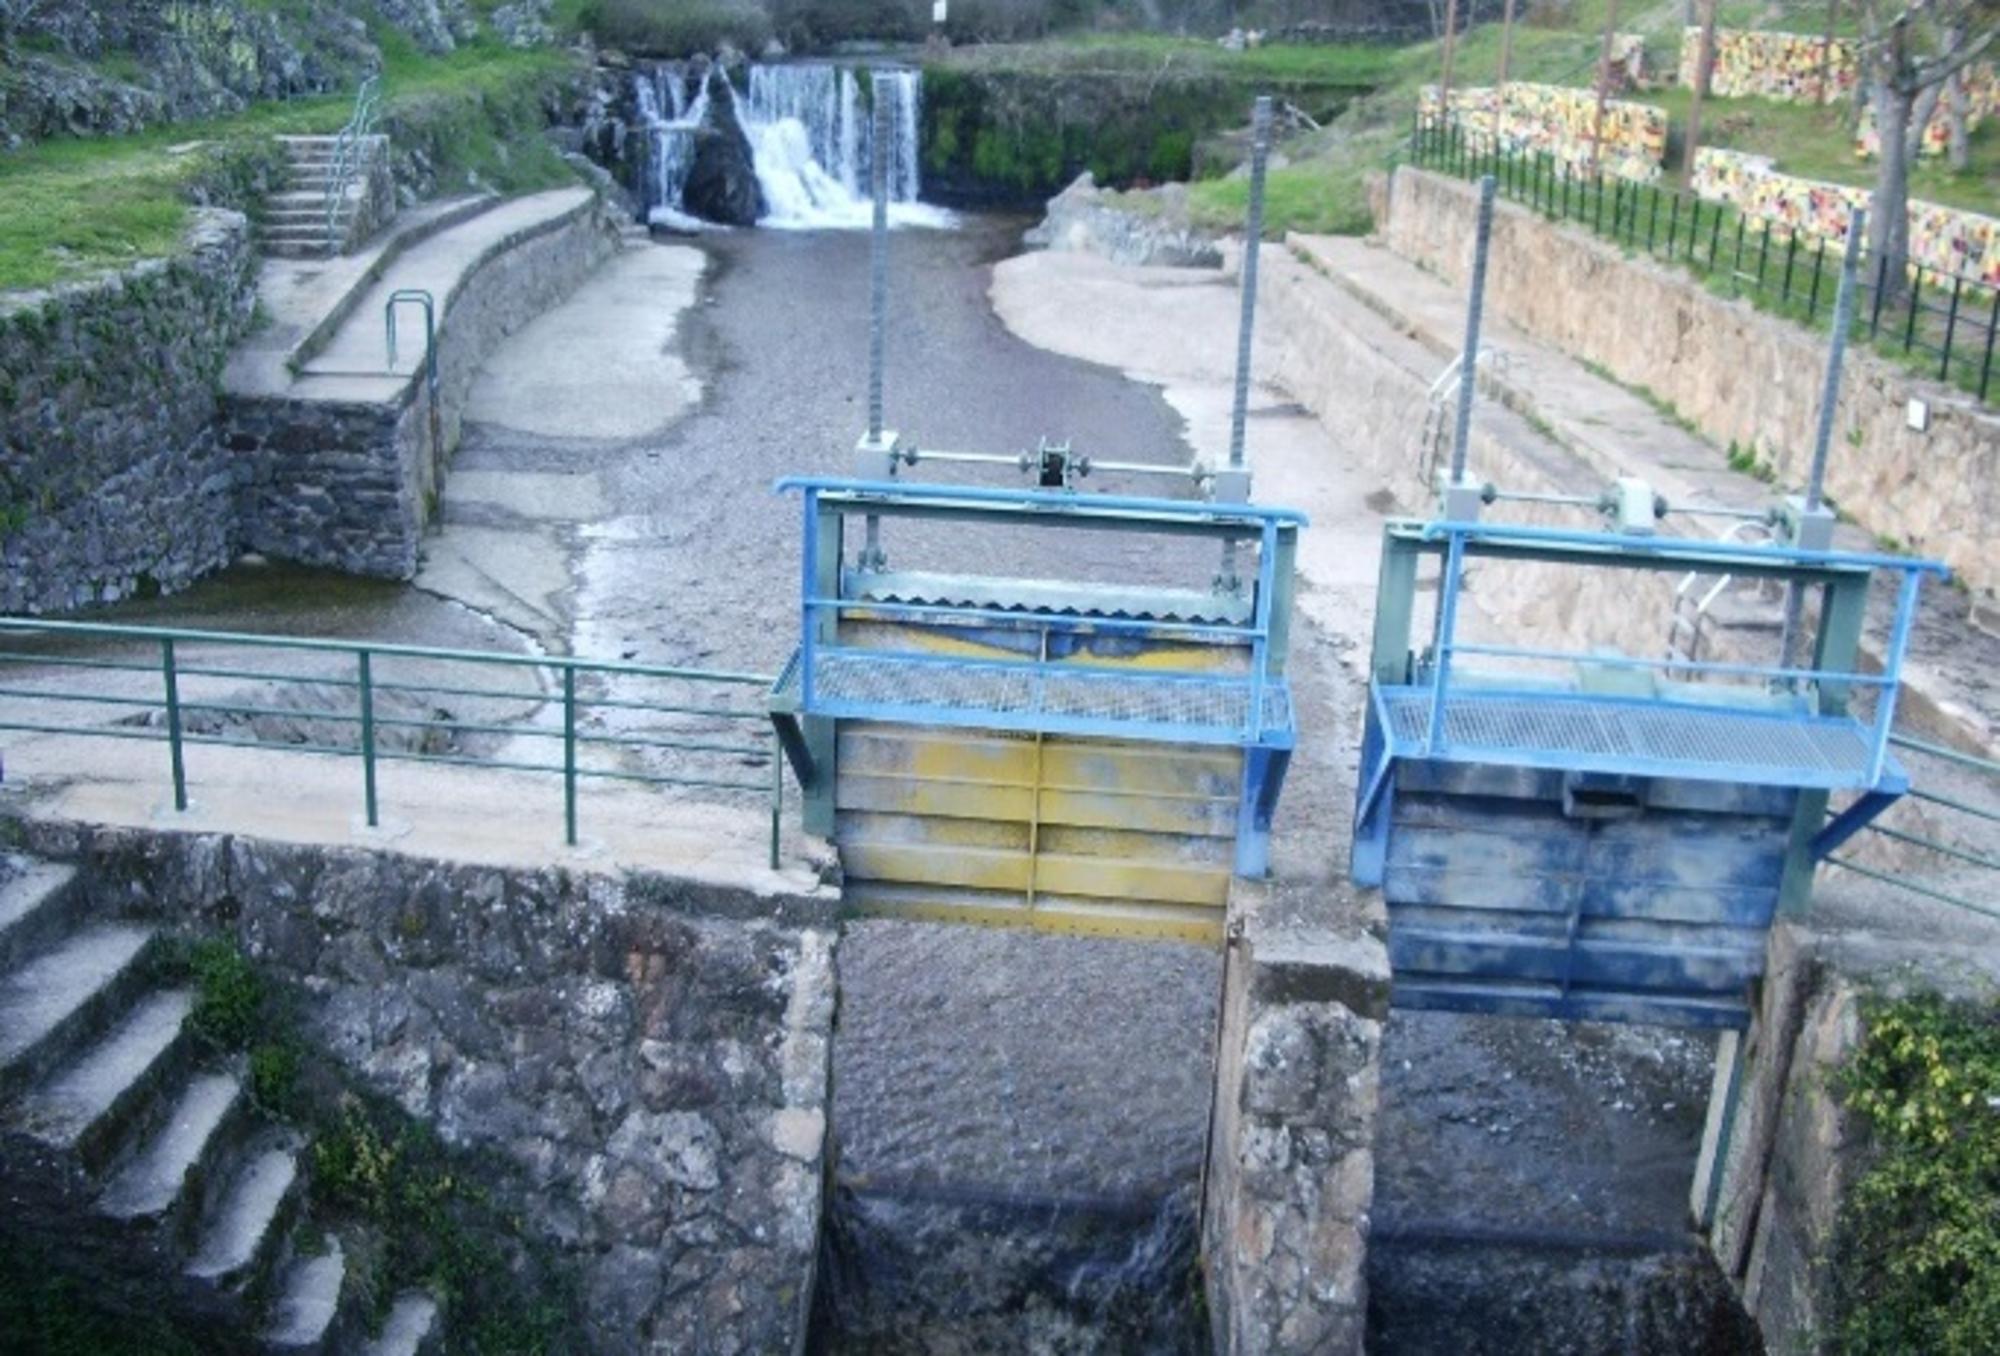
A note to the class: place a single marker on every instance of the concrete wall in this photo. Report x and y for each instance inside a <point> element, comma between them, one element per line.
<point>1290,1177</point>
<point>111,479</point>
<point>1742,377</point>
<point>351,486</point>
<point>649,1056</point>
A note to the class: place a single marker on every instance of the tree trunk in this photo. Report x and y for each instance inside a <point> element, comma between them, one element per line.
<point>1704,73</point>
<point>1958,151</point>
<point>1889,217</point>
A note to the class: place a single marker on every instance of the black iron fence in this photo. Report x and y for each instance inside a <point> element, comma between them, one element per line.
<point>1941,324</point>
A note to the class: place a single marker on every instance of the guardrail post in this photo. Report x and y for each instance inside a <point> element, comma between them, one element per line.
<point>174,723</point>
<point>1992,328</point>
<point>1950,325</point>
<point>569,754</point>
<point>777,796</point>
<point>368,739</point>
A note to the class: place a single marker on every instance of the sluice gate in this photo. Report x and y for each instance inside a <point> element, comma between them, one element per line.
<point>1075,755</point>
<point>1595,835</point>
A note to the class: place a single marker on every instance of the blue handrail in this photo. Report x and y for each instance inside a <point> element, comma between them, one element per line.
<point>1053,508</point>
<point>1455,537</point>
<point>1055,501</point>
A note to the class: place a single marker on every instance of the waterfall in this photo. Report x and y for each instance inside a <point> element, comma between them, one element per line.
<point>813,142</point>
<point>670,119</point>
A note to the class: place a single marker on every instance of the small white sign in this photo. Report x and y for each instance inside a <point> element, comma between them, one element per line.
<point>1918,415</point>
<point>937,11</point>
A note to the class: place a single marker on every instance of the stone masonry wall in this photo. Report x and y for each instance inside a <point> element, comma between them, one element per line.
<point>351,486</point>
<point>1291,1169</point>
<point>1791,1152</point>
<point>651,1055</point>
<point>111,479</point>
<point>1740,376</point>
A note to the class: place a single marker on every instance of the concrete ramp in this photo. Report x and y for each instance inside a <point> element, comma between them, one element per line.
<point>1051,832</point>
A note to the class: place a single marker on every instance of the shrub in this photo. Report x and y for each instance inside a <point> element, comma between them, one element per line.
<point>1917,1266</point>
<point>677,27</point>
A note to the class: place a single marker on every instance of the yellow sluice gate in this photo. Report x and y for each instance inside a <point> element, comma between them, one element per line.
<point>1081,757</point>
<point>1063,834</point>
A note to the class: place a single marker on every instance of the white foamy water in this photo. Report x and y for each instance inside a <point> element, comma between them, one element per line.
<point>813,142</point>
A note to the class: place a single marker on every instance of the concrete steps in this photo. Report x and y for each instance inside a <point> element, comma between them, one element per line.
<point>302,221</point>
<point>148,1156</point>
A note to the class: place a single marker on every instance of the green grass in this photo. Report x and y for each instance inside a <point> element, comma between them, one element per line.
<point>76,206</point>
<point>1355,65</point>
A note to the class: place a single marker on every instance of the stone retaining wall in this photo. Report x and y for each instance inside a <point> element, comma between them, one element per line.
<point>1740,376</point>
<point>111,480</point>
<point>351,486</point>
<point>648,1055</point>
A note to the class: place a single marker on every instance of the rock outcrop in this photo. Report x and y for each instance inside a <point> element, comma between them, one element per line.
<point>722,186</point>
<point>1093,220</point>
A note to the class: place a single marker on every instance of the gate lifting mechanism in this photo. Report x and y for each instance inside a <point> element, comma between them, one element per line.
<point>1589,835</point>
<point>1051,753</point>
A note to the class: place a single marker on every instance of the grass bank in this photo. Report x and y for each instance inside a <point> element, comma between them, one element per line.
<point>76,206</point>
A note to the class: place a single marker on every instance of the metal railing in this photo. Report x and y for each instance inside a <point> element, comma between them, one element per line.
<point>821,602</point>
<point>1674,553</point>
<point>350,148</point>
<point>1929,762</point>
<point>383,703</point>
<point>1944,324</point>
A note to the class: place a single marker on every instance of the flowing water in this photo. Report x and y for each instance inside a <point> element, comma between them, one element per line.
<point>812,138</point>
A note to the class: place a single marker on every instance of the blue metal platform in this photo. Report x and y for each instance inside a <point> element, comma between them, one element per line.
<point>1633,736</point>
<point>1593,838</point>
<point>936,690</point>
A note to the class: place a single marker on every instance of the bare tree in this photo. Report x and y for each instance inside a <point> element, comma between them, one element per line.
<point>1907,58</point>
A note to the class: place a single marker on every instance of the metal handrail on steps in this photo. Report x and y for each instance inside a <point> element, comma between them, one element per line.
<point>349,150</point>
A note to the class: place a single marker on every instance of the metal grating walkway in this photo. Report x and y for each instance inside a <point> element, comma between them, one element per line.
<point>1628,735</point>
<point>928,689</point>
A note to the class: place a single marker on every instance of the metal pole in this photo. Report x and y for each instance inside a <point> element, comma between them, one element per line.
<point>1227,580</point>
<point>569,754</point>
<point>878,262</point>
<point>1836,355</point>
<point>878,292</point>
<point>777,795</point>
<point>1253,231</point>
<point>368,739</point>
<point>1506,53</point>
<point>174,723</point>
<point>1468,363</point>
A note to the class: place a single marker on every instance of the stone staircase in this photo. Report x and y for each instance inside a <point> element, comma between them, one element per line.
<point>296,222</point>
<point>131,1154</point>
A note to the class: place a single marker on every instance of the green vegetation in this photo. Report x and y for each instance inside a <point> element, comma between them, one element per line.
<point>1918,1267</point>
<point>678,29</point>
<point>1021,121</point>
<point>75,206</point>
<point>46,1313</point>
<point>410,1210</point>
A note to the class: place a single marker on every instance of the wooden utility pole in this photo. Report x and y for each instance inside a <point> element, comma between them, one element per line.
<point>1704,71</point>
<point>1604,86</point>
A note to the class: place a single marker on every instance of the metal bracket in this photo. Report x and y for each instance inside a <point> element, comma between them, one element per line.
<point>1865,810</point>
